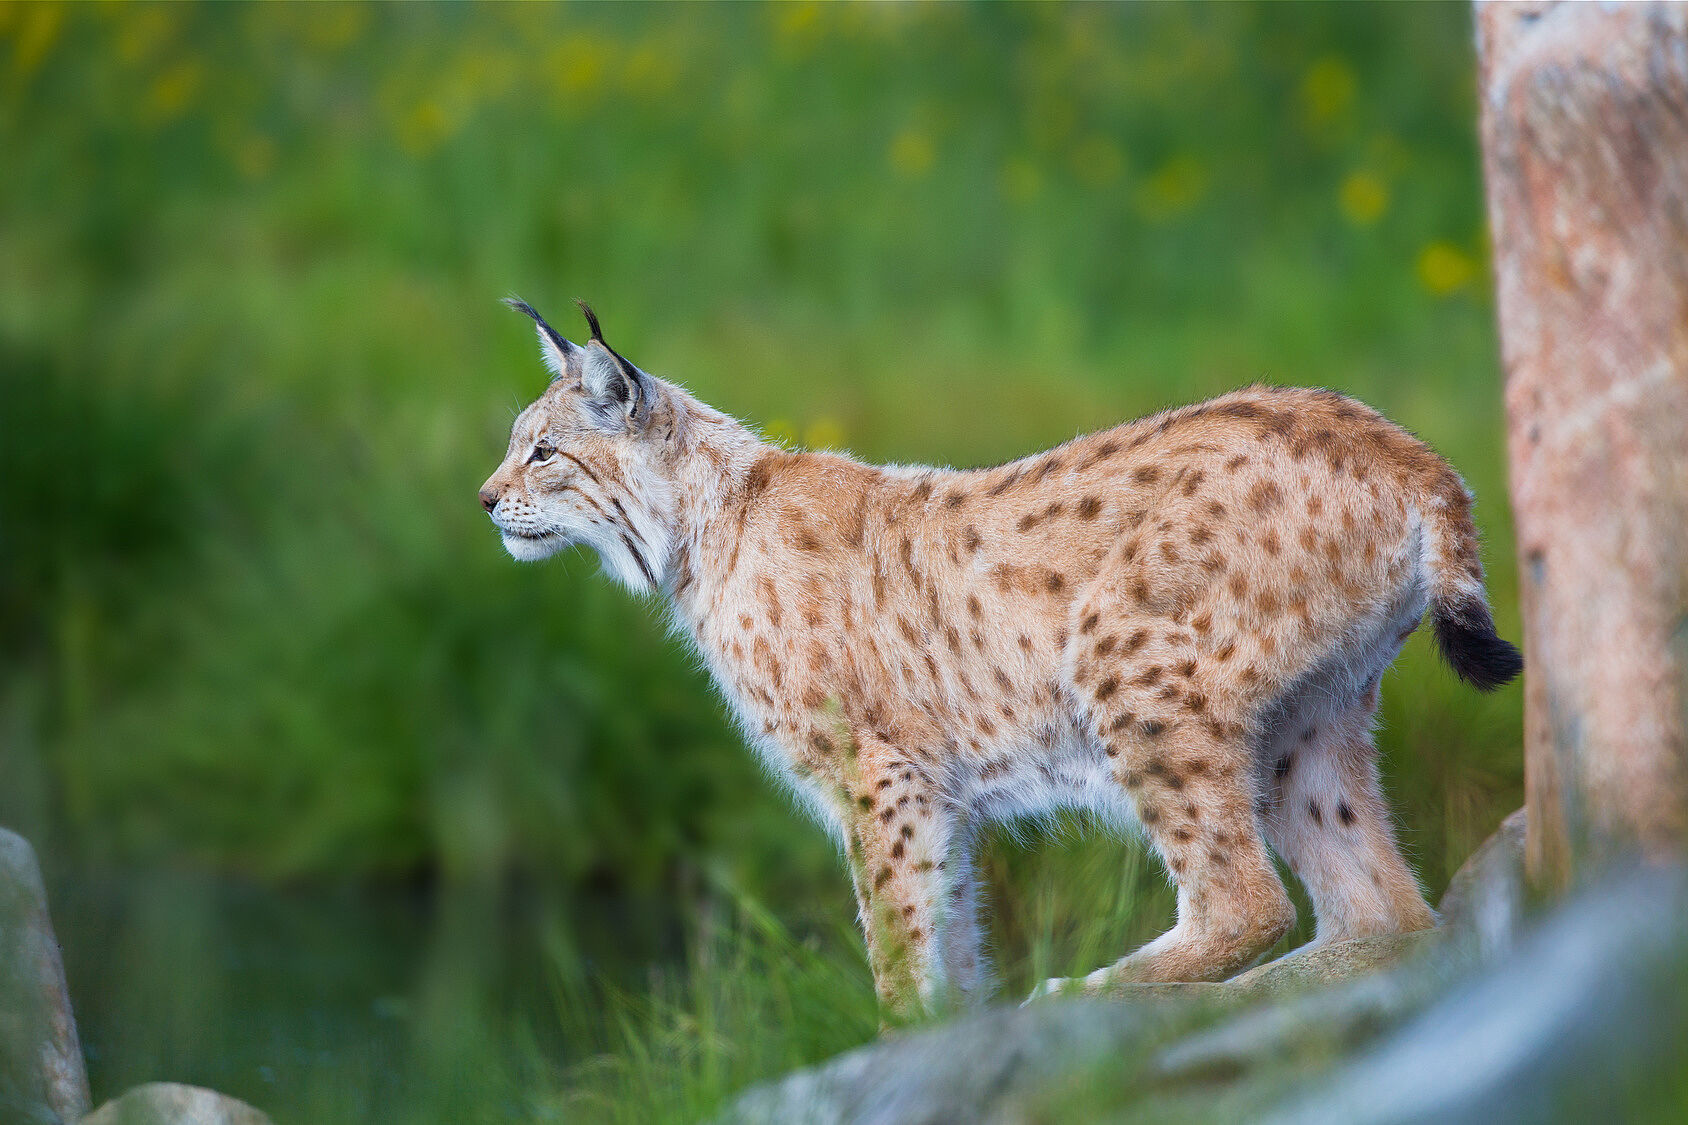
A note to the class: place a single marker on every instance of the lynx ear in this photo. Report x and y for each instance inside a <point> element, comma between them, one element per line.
<point>619,394</point>
<point>561,358</point>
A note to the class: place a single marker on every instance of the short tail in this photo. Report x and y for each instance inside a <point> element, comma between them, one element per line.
<point>1466,637</point>
<point>1459,606</point>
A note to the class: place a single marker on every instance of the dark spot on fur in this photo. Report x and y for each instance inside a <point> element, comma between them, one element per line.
<point>1264,496</point>
<point>1089,508</point>
<point>1313,811</point>
<point>1344,813</point>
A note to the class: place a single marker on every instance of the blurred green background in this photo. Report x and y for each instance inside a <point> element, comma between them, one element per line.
<point>346,813</point>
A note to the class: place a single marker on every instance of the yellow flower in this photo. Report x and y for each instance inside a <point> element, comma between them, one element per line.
<point>797,24</point>
<point>142,30</point>
<point>37,31</point>
<point>423,128</point>
<point>781,431</point>
<point>334,27</point>
<point>1363,197</point>
<point>579,64</point>
<point>171,91</point>
<point>912,154</point>
<point>1327,89</point>
<point>824,433</point>
<point>1173,189</point>
<point>1444,268</point>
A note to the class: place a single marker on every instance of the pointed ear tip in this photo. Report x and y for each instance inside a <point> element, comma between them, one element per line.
<point>591,319</point>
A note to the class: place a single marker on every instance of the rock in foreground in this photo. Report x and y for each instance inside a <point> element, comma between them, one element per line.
<point>42,1079</point>
<point>170,1103</point>
<point>1589,999</point>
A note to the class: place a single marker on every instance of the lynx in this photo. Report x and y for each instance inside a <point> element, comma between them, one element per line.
<point>1179,624</point>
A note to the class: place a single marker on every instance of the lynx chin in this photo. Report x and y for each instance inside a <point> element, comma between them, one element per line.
<point>1179,624</point>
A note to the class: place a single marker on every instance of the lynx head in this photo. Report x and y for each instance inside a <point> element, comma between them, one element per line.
<point>588,462</point>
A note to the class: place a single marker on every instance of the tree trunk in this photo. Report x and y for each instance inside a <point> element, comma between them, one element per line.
<point>1585,152</point>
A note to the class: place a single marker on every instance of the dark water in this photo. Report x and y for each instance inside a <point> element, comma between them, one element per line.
<point>339,1004</point>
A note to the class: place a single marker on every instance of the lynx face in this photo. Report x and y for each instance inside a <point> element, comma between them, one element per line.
<point>585,464</point>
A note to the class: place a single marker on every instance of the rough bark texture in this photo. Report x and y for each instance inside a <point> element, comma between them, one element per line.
<point>41,1072</point>
<point>1585,139</point>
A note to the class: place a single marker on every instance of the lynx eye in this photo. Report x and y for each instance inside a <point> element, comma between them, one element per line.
<point>541,452</point>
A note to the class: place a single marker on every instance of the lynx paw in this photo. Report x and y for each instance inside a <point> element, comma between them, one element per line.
<point>1054,986</point>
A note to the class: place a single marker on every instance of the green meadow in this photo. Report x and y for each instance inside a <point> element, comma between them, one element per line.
<point>346,813</point>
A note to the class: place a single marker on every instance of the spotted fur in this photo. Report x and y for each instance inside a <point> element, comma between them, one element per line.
<point>1179,623</point>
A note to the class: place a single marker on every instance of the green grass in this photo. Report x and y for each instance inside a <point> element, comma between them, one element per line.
<point>253,627</point>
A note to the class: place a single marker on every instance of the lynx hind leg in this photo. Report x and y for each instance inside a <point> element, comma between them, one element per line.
<point>960,942</point>
<point>1188,770</point>
<point>1325,816</point>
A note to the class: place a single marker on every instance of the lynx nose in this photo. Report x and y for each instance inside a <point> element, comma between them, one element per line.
<point>489,499</point>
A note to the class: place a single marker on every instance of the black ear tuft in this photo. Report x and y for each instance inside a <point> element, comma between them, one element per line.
<point>526,309</point>
<point>591,321</point>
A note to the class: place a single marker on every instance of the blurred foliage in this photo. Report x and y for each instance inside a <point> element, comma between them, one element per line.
<point>252,371</point>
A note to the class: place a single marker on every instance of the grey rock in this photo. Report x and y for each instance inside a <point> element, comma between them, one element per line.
<point>959,1071</point>
<point>997,1064</point>
<point>1585,1021</point>
<point>1314,966</point>
<point>1318,1021</point>
<point>42,1078</point>
<point>170,1103</point>
<point>1583,1018</point>
<point>1485,901</point>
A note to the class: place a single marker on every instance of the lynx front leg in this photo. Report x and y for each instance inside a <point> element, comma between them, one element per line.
<point>899,843</point>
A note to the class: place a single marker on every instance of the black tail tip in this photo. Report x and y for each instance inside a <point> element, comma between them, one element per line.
<point>1465,634</point>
